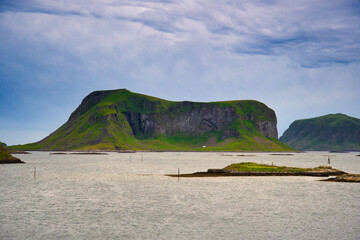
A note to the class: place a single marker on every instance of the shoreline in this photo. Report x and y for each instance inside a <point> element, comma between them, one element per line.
<point>258,174</point>
<point>355,178</point>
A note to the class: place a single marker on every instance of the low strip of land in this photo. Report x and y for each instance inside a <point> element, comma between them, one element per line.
<point>255,169</point>
<point>345,178</point>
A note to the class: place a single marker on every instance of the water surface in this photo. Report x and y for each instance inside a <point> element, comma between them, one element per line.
<point>127,196</point>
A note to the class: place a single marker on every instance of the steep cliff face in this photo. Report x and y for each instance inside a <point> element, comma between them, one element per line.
<point>330,132</point>
<point>120,119</point>
<point>194,120</point>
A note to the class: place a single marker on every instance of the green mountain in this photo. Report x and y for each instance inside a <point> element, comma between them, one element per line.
<point>123,120</point>
<point>333,132</point>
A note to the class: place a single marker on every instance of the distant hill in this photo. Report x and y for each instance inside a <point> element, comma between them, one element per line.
<point>337,132</point>
<point>123,120</point>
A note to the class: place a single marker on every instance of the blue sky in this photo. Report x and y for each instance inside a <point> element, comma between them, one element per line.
<point>301,58</point>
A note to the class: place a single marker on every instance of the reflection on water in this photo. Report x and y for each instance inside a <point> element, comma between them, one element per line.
<point>127,196</point>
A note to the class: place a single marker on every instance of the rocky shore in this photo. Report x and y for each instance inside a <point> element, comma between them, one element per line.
<point>345,178</point>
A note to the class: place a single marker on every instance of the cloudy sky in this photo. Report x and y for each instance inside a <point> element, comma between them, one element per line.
<point>301,58</point>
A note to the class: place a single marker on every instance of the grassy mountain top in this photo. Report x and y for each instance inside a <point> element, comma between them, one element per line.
<point>123,120</point>
<point>330,132</point>
<point>333,120</point>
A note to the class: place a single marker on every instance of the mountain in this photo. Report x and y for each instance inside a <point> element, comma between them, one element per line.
<point>333,132</point>
<point>123,120</point>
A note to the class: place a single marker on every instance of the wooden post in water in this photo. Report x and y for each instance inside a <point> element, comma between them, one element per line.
<point>34,172</point>
<point>328,159</point>
<point>178,173</point>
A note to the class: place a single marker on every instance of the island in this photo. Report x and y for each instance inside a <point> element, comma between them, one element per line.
<point>6,157</point>
<point>121,120</point>
<point>255,169</point>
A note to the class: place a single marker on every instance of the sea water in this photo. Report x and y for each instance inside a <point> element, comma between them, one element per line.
<point>128,196</point>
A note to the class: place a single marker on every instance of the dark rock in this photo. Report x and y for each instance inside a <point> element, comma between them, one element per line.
<point>216,170</point>
<point>345,178</point>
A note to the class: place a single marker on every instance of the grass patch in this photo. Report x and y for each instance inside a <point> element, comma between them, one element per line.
<point>255,167</point>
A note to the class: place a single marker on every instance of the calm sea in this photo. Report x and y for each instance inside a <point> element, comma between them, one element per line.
<point>127,196</point>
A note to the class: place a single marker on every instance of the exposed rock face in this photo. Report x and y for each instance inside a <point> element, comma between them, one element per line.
<point>195,121</point>
<point>268,128</point>
<point>331,132</point>
<point>198,119</point>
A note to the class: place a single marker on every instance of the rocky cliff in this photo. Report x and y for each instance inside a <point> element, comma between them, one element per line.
<point>195,119</point>
<point>120,119</point>
<point>337,132</point>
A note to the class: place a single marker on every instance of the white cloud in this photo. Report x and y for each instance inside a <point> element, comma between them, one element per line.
<point>313,33</point>
<point>287,54</point>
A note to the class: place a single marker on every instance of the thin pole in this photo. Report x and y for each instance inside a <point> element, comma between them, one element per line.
<point>34,172</point>
<point>178,173</point>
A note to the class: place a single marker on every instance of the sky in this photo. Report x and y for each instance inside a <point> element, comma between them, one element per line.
<point>301,58</point>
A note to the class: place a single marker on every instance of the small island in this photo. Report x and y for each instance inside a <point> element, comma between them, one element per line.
<point>345,178</point>
<point>6,157</point>
<point>255,169</point>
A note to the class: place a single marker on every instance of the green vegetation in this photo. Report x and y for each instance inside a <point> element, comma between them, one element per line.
<point>4,153</point>
<point>330,132</point>
<point>6,157</point>
<point>116,120</point>
<point>255,167</point>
